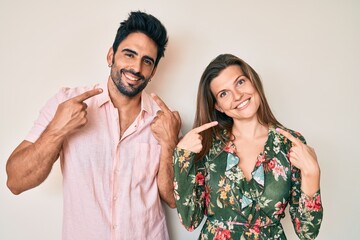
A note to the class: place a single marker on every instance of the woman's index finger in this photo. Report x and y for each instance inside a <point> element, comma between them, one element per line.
<point>288,136</point>
<point>205,126</point>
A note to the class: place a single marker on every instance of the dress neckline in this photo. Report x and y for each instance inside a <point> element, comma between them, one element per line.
<point>230,147</point>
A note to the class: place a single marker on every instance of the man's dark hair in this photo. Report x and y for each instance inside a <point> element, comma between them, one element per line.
<point>146,24</point>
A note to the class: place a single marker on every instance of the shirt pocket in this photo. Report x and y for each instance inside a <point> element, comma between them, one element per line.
<point>146,162</point>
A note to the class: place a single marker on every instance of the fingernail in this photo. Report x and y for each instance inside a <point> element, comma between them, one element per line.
<point>277,129</point>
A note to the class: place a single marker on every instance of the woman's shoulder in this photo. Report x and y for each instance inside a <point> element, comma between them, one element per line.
<point>217,145</point>
<point>295,133</point>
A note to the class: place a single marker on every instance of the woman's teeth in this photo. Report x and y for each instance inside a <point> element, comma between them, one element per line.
<point>243,103</point>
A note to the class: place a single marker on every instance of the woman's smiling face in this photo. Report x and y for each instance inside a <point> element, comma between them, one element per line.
<point>235,94</point>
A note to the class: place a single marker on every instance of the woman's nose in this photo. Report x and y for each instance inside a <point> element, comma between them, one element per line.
<point>238,94</point>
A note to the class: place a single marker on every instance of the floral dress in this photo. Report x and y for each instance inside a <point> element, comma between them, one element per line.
<point>240,209</point>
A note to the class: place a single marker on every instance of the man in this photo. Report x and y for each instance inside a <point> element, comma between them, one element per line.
<point>115,144</point>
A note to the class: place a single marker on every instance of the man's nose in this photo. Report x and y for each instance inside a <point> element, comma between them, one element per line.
<point>136,65</point>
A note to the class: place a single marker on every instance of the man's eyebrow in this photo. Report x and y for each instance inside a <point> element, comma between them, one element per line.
<point>135,53</point>
<point>129,50</point>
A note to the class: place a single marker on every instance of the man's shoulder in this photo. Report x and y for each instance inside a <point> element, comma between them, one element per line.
<point>148,103</point>
<point>147,98</point>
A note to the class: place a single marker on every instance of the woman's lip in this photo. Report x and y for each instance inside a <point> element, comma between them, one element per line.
<point>243,104</point>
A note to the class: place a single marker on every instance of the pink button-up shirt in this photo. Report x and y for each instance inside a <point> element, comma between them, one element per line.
<point>110,184</point>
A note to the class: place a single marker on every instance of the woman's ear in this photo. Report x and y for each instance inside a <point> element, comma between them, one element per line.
<point>217,107</point>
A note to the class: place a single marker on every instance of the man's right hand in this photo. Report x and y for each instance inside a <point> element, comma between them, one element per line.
<point>71,114</point>
<point>30,163</point>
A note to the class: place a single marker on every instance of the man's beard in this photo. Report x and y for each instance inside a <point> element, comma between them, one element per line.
<point>130,90</point>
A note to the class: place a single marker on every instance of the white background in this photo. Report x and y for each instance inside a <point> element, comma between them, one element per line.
<point>306,52</point>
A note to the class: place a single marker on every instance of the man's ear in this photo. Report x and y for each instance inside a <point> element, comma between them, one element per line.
<point>153,72</point>
<point>217,107</point>
<point>110,57</point>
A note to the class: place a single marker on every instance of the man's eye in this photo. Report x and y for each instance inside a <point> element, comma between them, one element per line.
<point>130,55</point>
<point>148,62</point>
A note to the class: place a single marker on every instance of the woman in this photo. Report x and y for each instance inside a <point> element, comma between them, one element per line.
<point>239,166</point>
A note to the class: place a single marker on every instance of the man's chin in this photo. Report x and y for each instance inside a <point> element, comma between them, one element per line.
<point>130,90</point>
<point>131,93</point>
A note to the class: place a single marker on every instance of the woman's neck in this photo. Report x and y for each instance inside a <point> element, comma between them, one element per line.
<point>249,129</point>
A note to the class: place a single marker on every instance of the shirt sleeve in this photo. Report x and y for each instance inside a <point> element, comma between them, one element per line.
<point>45,116</point>
<point>189,188</point>
<point>306,211</point>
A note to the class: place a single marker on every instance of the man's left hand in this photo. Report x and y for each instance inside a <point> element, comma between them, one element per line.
<point>166,124</point>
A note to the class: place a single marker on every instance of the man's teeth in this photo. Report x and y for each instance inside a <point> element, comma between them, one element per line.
<point>243,104</point>
<point>129,76</point>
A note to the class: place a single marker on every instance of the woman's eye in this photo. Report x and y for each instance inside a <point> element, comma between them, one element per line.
<point>241,81</point>
<point>222,94</point>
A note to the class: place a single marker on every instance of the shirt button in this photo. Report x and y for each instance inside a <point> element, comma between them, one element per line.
<point>115,198</point>
<point>115,226</point>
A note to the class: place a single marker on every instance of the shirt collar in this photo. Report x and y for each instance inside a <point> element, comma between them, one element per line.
<point>104,97</point>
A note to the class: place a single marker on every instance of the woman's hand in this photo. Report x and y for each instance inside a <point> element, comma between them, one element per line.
<point>304,158</point>
<point>192,141</point>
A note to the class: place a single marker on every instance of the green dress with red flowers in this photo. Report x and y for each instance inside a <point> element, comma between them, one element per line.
<point>240,209</point>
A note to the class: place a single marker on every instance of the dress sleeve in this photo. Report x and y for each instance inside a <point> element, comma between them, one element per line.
<point>189,188</point>
<point>306,211</point>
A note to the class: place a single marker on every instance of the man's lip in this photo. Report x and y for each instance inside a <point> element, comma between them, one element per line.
<point>131,77</point>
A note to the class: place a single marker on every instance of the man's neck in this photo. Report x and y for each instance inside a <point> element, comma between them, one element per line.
<point>121,102</point>
<point>128,107</point>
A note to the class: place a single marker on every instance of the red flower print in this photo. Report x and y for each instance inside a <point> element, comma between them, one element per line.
<point>318,200</point>
<point>207,196</point>
<point>313,204</point>
<point>288,155</point>
<point>199,179</point>
<point>272,164</point>
<point>258,222</point>
<point>280,207</point>
<point>297,225</point>
<point>222,234</point>
<point>229,147</point>
<point>226,233</point>
<point>190,229</point>
<point>260,160</point>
